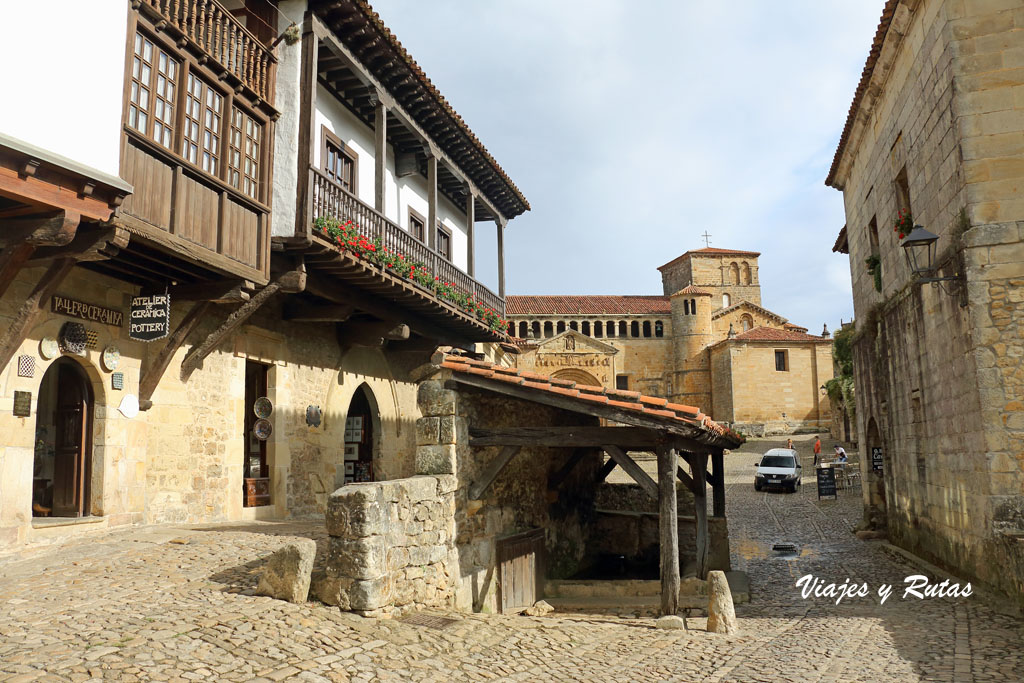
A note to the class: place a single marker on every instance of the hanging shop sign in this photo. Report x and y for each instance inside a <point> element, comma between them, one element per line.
<point>79,309</point>
<point>876,458</point>
<point>150,317</point>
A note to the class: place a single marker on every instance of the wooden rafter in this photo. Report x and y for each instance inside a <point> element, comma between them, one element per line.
<point>490,473</point>
<point>152,374</point>
<point>31,309</point>
<point>632,469</point>
<point>556,479</point>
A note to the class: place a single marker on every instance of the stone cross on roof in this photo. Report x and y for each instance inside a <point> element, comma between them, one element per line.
<point>707,239</point>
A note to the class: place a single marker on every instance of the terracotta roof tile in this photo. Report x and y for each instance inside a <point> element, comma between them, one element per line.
<point>865,78</point>
<point>587,305</point>
<point>630,401</point>
<point>693,289</point>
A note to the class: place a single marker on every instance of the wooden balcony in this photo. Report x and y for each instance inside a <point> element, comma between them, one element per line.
<point>330,200</point>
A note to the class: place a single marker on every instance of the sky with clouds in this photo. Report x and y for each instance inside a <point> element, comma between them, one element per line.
<point>634,126</point>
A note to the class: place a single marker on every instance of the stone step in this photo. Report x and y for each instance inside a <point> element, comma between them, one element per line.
<point>568,588</point>
<point>642,605</point>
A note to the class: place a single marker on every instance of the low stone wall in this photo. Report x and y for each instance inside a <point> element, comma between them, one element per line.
<point>392,546</point>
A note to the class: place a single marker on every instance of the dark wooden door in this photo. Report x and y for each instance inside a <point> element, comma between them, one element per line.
<point>71,418</point>
<point>520,569</point>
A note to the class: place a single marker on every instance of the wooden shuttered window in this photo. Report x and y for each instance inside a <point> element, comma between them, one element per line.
<point>151,101</point>
<point>201,140</point>
<point>244,152</point>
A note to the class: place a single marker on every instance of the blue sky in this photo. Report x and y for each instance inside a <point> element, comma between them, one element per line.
<point>634,126</point>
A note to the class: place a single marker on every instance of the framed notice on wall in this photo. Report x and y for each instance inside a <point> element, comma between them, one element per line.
<point>351,452</point>
<point>876,458</point>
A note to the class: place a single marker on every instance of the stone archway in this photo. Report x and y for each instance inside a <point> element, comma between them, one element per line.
<point>362,436</point>
<point>578,376</point>
<point>875,462</point>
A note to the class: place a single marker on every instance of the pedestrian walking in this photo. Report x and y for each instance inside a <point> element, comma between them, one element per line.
<point>817,450</point>
<point>789,443</point>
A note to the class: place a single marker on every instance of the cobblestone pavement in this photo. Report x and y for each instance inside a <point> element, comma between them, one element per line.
<point>175,604</point>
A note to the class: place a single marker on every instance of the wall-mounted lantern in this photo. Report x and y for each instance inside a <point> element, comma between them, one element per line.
<point>919,248</point>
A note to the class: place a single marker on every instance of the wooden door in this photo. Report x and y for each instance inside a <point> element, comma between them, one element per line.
<point>520,570</point>
<point>71,418</point>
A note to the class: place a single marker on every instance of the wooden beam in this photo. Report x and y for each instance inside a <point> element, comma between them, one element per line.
<point>307,129</point>
<point>31,309</point>
<point>632,469</point>
<point>54,228</point>
<point>219,292</point>
<point>685,478</point>
<point>500,222</point>
<point>307,312</point>
<point>491,471</point>
<point>432,200</point>
<point>372,334</point>
<point>285,282</point>
<point>605,470</point>
<point>628,438</point>
<point>88,245</point>
<point>380,148</point>
<point>718,485</point>
<point>12,260</point>
<point>698,463</point>
<point>556,479</point>
<point>470,228</point>
<point>152,374</point>
<point>668,530</point>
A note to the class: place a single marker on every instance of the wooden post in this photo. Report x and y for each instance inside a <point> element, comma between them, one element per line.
<point>431,199</point>
<point>470,224</point>
<point>32,308</point>
<point>718,485</point>
<point>307,134</point>
<point>500,222</point>
<point>155,370</point>
<point>699,465</point>
<point>380,149</point>
<point>12,260</point>
<point>668,526</point>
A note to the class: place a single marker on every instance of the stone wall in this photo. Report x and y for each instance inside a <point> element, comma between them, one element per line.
<point>939,385</point>
<point>182,460</point>
<point>715,273</point>
<point>391,547</point>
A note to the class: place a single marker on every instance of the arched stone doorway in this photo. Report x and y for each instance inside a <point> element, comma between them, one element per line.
<point>62,467</point>
<point>362,436</point>
<point>578,376</point>
<point>876,464</point>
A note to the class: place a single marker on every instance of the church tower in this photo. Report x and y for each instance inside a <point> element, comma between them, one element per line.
<point>691,335</point>
<point>729,275</point>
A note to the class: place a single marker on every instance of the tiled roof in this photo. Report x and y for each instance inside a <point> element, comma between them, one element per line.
<point>710,251</point>
<point>516,203</point>
<point>586,397</point>
<point>693,289</point>
<point>747,304</point>
<point>841,246</point>
<point>776,334</point>
<point>796,328</point>
<point>869,67</point>
<point>587,305</point>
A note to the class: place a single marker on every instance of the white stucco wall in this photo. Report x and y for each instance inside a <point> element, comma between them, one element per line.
<point>63,61</point>
<point>286,131</point>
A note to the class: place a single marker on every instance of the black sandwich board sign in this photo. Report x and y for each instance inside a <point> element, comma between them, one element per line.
<point>876,458</point>
<point>150,317</point>
<point>827,483</point>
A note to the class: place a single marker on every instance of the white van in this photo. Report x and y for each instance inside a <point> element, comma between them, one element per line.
<point>778,467</point>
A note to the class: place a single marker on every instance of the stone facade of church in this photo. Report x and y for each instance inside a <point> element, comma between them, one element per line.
<point>706,342</point>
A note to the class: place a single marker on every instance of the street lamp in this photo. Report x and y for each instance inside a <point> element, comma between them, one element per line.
<point>919,248</point>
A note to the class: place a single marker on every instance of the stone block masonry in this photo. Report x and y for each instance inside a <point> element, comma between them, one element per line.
<point>391,547</point>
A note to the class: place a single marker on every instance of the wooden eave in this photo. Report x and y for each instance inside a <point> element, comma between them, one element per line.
<point>377,50</point>
<point>343,278</point>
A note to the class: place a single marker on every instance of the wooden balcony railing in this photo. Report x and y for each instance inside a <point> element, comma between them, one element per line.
<point>332,200</point>
<point>214,30</point>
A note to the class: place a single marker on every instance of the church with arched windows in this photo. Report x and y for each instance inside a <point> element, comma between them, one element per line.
<point>706,341</point>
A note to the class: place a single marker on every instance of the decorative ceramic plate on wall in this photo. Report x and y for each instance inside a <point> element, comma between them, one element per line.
<point>48,348</point>
<point>262,407</point>
<point>111,358</point>
<point>262,429</point>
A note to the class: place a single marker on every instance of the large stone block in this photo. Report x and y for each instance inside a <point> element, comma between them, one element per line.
<point>721,613</point>
<point>434,400</point>
<point>419,489</point>
<point>372,594</point>
<point>428,431</point>
<point>332,590</point>
<point>361,558</point>
<point>355,511</point>
<point>435,459</point>
<point>288,572</point>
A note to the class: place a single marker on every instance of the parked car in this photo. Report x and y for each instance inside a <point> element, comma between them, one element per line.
<point>778,467</point>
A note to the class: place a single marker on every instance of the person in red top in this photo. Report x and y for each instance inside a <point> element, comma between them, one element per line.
<point>817,450</point>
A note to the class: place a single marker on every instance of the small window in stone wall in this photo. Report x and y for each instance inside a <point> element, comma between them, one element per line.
<point>686,307</point>
<point>647,329</point>
<point>622,382</point>
<point>574,326</point>
<point>781,361</point>
<point>598,329</point>
<point>622,329</point>
<point>634,329</point>
<point>560,328</point>
<point>536,329</point>
<point>523,329</point>
<point>659,328</point>
<point>549,329</point>
<point>726,301</point>
<point>585,327</point>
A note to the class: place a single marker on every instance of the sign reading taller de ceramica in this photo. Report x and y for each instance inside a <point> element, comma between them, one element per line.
<point>80,309</point>
<point>150,317</point>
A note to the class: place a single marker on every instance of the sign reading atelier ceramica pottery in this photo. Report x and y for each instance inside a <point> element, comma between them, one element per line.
<point>876,458</point>
<point>150,317</point>
<point>78,309</point>
<point>22,403</point>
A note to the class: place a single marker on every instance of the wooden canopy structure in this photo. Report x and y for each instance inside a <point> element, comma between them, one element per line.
<point>675,432</point>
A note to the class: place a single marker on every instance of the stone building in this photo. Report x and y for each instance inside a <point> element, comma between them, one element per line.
<point>217,280</point>
<point>935,132</point>
<point>706,342</point>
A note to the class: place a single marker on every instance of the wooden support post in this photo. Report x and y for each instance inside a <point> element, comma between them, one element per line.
<point>501,257</point>
<point>698,463</point>
<point>718,483</point>
<point>380,148</point>
<point>605,470</point>
<point>470,227</point>
<point>685,478</point>
<point>556,479</point>
<point>12,260</point>
<point>491,471</point>
<point>309,51</point>
<point>151,375</point>
<point>632,469</point>
<point>29,312</point>
<point>431,199</point>
<point>668,527</point>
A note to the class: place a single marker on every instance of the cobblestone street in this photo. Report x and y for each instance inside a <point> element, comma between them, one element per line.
<point>175,603</point>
